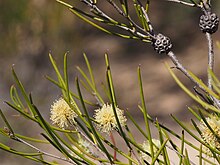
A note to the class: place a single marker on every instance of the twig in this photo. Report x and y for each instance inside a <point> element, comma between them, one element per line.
<point>185,3</point>
<point>210,58</point>
<point>148,20</point>
<point>135,155</point>
<point>211,65</point>
<point>131,30</point>
<point>41,151</point>
<point>183,69</point>
<point>132,22</point>
<point>117,8</point>
<point>179,153</point>
<point>171,54</point>
<point>206,8</point>
<point>99,12</point>
<point>93,144</point>
<point>99,103</point>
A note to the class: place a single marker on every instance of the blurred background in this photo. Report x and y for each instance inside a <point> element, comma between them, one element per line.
<point>31,29</point>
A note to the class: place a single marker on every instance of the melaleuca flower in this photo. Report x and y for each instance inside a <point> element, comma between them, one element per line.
<point>146,147</point>
<point>105,118</point>
<point>61,114</point>
<point>207,135</point>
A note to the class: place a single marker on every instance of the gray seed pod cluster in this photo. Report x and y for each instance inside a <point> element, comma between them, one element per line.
<point>161,44</point>
<point>209,23</point>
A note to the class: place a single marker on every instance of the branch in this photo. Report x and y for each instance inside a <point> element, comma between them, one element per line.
<point>148,35</point>
<point>177,152</point>
<point>91,142</point>
<point>183,69</point>
<point>133,22</point>
<point>211,66</point>
<point>185,3</point>
<point>41,151</point>
<point>95,8</point>
<point>210,58</point>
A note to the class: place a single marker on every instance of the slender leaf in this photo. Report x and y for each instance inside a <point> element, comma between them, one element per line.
<point>197,99</point>
<point>8,149</point>
<point>158,152</point>
<point>136,124</point>
<point>65,73</point>
<point>21,112</point>
<point>195,137</point>
<point>194,113</point>
<point>182,148</point>
<point>31,139</point>
<point>15,97</point>
<point>163,151</point>
<point>10,132</point>
<point>186,158</point>
<point>90,123</point>
<point>21,87</point>
<point>59,76</point>
<point>200,82</point>
<point>72,94</point>
<point>145,113</point>
<point>52,134</point>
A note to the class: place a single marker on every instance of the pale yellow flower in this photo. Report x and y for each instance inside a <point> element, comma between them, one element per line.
<point>207,134</point>
<point>61,114</point>
<point>105,118</point>
<point>146,147</point>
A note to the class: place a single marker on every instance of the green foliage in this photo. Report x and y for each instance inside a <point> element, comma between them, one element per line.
<point>85,126</point>
<point>51,133</point>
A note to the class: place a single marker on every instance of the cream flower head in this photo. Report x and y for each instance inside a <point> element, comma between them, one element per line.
<point>207,134</point>
<point>146,147</point>
<point>105,118</point>
<point>61,114</point>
